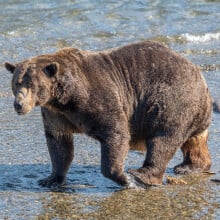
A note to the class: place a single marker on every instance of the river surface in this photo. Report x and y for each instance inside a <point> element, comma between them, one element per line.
<point>29,28</point>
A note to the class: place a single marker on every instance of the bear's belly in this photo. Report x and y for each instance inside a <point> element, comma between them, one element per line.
<point>139,146</point>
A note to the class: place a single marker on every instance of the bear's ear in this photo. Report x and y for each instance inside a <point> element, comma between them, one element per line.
<point>10,67</point>
<point>51,69</point>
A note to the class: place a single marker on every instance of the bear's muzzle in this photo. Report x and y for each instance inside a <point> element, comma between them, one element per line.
<point>22,104</point>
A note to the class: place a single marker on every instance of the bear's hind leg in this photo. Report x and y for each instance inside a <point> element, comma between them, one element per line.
<point>196,155</point>
<point>160,149</point>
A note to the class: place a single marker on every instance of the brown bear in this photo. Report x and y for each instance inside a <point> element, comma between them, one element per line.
<point>142,96</point>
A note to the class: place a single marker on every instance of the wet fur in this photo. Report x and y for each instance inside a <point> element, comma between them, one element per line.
<point>139,95</point>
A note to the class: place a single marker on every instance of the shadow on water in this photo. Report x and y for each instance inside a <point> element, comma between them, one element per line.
<point>83,179</point>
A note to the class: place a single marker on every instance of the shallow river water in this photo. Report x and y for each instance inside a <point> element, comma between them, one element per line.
<point>29,28</point>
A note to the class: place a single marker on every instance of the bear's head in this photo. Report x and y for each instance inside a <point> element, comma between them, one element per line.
<point>32,83</point>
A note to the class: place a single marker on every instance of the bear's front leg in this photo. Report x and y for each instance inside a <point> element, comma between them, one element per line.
<point>113,154</point>
<point>60,146</point>
<point>61,154</point>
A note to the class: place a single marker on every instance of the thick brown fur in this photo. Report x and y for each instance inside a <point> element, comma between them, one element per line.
<point>139,95</point>
<point>196,155</point>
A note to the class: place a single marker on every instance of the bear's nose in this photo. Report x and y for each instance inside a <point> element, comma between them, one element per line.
<point>18,106</point>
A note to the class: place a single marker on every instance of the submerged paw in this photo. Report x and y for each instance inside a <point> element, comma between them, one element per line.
<point>52,181</point>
